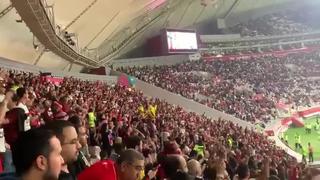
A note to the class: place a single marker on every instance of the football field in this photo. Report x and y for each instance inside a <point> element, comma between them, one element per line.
<point>313,138</point>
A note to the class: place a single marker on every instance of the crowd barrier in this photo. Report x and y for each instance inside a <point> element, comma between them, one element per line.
<point>309,112</point>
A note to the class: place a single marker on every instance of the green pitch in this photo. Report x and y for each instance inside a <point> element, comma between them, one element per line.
<point>313,138</point>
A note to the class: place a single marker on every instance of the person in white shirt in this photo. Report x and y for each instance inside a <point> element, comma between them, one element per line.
<point>23,98</point>
<point>22,94</point>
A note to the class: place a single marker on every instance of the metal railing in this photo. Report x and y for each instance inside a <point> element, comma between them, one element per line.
<point>49,9</point>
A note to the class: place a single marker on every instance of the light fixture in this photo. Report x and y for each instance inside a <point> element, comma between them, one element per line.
<point>35,43</point>
<point>36,47</point>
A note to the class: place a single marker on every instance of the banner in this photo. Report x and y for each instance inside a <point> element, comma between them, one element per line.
<point>309,112</point>
<point>54,80</point>
<point>132,80</point>
<point>297,117</point>
<point>123,80</point>
<point>282,105</point>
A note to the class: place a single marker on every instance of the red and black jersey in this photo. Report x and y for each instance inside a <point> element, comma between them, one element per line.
<point>16,118</point>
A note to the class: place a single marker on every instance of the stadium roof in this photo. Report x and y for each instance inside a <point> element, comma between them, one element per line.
<point>104,24</point>
<point>101,25</point>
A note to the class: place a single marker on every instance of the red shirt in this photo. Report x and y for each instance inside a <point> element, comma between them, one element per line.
<point>16,117</point>
<point>47,115</point>
<point>65,107</point>
<point>293,174</point>
<point>36,122</point>
<point>1,163</point>
<point>102,170</point>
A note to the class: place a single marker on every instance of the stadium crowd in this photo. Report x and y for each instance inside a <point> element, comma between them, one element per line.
<point>249,89</point>
<point>272,24</point>
<point>91,130</point>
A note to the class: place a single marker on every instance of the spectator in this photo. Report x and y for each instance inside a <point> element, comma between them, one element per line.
<point>172,127</point>
<point>172,164</point>
<point>22,95</point>
<point>181,176</point>
<point>47,115</point>
<point>194,168</point>
<point>128,167</point>
<point>117,149</point>
<point>83,160</point>
<point>68,137</point>
<point>37,155</point>
<point>15,121</point>
<point>243,172</point>
<point>134,142</point>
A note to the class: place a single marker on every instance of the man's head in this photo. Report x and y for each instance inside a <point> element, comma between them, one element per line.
<point>81,130</point>
<point>47,103</point>
<point>13,100</point>
<point>130,164</point>
<point>64,99</point>
<point>37,153</point>
<point>134,142</point>
<point>174,163</point>
<point>110,125</point>
<point>194,168</point>
<point>75,120</point>
<point>22,94</point>
<point>243,172</point>
<point>82,134</point>
<point>68,137</point>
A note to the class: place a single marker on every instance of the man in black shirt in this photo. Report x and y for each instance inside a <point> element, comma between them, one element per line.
<point>36,155</point>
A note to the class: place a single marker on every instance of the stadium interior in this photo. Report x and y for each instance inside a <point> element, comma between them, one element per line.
<point>160,89</point>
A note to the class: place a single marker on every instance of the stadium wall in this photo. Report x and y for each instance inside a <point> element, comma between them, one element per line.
<point>150,61</point>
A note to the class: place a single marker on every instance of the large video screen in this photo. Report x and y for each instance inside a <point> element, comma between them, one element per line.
<point>181,41</point>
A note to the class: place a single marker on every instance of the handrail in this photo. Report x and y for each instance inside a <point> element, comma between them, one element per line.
<point>37,18</point>
<point>59,33</point>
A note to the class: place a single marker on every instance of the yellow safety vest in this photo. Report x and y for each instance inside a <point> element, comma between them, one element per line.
<point>304,151</point>
<point>199,149</point>
<point>14,88</point>
<point>230,142</point>
<point>92,119</point>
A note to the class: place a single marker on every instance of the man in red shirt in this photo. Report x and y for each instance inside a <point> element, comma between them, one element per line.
<point>64,101</point>
<point>47,115</point>
<point>128,167</point>
<point>14,121</point>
